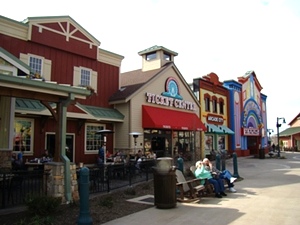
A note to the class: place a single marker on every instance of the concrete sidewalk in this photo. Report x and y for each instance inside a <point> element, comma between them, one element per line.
<point>268,195</point>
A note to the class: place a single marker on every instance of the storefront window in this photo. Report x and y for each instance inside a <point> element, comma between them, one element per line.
<point>23,130</point>
<point>167,143</point>
<point>208,143</point>
<point>221,143</point>
<point>93,140</point>
<point>184,144</point>
<point>159,141</point>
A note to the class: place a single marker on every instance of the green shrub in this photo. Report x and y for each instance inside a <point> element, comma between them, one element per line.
<point>42,205</point>
<point>130,191</point>
<point>107,202</point>
<point>146,186</point>
<point>37,220</point>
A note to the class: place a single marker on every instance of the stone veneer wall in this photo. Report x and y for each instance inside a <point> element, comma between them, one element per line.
<point>56,181</point>
<point>5,159</point>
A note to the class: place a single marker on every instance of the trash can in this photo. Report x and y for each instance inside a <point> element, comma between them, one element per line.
<point>261,153</point>
<point>164,179</point>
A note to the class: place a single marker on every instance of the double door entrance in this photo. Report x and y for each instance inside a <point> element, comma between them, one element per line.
<point>50,145</point>
<point>168,143</point>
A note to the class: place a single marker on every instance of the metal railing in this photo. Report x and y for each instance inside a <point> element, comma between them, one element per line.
<point>118,175</point>
<point>16,186</point>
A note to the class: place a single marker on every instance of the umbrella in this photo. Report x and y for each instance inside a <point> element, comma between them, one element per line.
<point>104,131</point>
<point>135,134</point>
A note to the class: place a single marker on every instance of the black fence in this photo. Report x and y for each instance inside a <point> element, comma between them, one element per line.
<point>117,175</point>
<point>16,186</point>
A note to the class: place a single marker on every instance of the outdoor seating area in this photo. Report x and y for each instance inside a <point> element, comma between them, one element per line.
<point>113,175</point>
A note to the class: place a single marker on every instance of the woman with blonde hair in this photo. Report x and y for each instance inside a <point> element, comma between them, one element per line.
<point>225,174</point>
<point>203,174</point>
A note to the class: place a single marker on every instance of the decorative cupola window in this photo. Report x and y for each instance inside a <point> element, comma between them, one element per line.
<point>156,57</point>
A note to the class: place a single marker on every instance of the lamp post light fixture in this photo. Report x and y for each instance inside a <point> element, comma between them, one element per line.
<point>269,131</point>
<point>279,125</point>
<point>135,136</point>
<point>104,133</point>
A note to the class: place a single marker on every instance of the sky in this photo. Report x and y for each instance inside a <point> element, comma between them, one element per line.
<point>228,38</point>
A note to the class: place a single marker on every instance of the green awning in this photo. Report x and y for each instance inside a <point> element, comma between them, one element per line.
<point>100,113</point>
<point>211,128</point>
<point>225,129</point>
<point>29,104</point>
<point>289,131</point>
<point>218,129</point>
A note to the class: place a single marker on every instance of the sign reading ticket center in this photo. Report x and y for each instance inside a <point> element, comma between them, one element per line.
<point>168,101</point>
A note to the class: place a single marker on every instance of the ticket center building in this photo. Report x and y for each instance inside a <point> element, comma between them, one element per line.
<point>159,105</point>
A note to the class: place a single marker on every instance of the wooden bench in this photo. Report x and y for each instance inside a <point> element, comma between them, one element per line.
<point>189,189</point>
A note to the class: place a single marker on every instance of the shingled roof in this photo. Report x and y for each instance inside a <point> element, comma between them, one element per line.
<point>133,80</point>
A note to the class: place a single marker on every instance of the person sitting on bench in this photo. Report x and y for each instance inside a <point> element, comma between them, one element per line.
<point>225,174</point>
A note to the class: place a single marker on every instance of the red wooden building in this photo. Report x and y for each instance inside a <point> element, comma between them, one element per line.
<point>58,50</point>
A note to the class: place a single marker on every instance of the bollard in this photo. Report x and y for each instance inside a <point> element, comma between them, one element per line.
<point>218,161</point>
<point>84,214</point>
<point>180,164</point>
<point>235,165</point>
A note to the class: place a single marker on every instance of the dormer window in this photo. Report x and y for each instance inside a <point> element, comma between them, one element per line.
<point>167,56</point>
<point>151,56</point>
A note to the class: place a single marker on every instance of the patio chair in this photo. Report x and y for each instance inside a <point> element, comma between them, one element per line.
<point>208,187</point>
<point>188,189</point>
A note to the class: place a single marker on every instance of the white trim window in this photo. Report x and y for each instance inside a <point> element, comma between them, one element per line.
<point>23,135</point>
<point>93,140</point>
<point>36,64</point>
<point>85,77</point>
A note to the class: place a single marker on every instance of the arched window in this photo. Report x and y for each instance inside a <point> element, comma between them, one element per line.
<point>214,104</point>
<point>221,106</point>
<point>207,102</point>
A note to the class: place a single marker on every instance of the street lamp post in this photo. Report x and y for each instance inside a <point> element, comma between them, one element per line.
<point>269,132</point>
<point>279,125</point>
<point>104,133</point>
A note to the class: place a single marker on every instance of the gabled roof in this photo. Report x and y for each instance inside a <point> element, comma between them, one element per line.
<point>132,81</point>
<point>246,76</point>
<point>293,120</point>
<point>156,48</point>
<point>138,76</point>
<point>10,58</point>
<point>47,22</point>
<point>289,131</point>
<point>125,92</point>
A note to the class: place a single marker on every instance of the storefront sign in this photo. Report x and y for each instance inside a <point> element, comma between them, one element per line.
<point>170,102</point>
<point>210,118</point>
<point>171,97</point>
<point>250,132</point>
